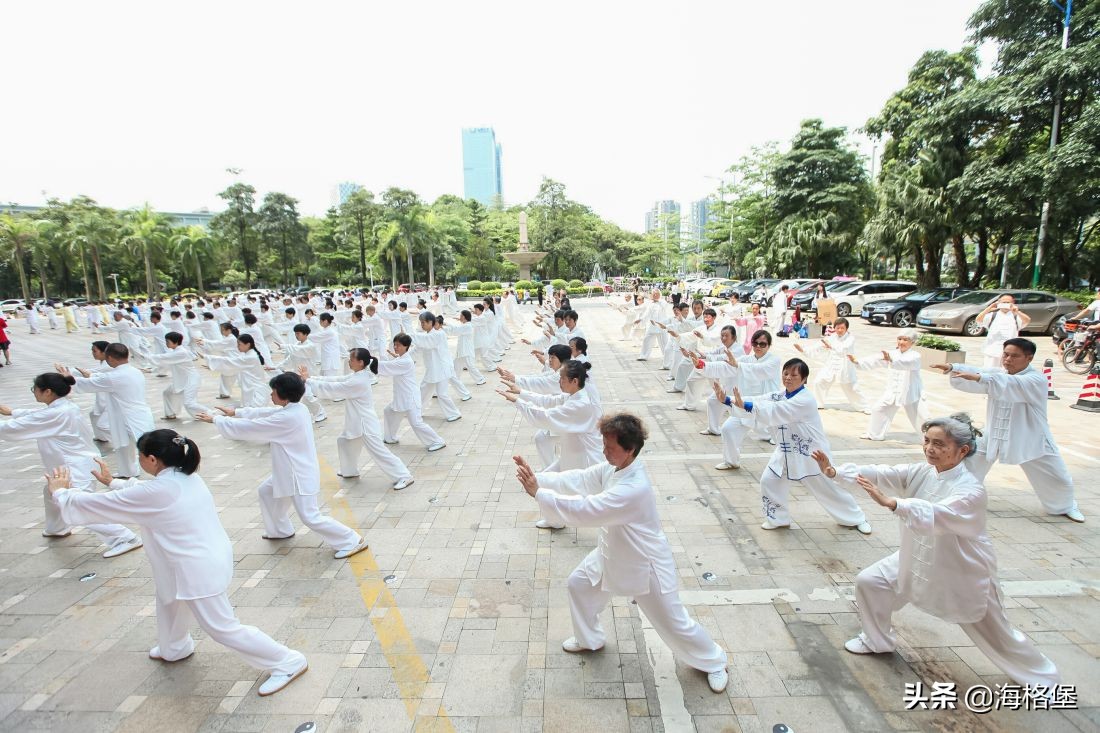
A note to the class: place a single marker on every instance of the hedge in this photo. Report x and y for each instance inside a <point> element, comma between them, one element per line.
<point>1084,297</point>
<point>481,293</point>
<point>489,285</point>
<point>575,284</point>
<point>474,285</point>
<point>525,285</point>
<point>559,284</point>
<point>939,343</point>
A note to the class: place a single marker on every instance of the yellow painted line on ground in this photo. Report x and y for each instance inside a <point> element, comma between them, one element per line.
<point>409,671</point>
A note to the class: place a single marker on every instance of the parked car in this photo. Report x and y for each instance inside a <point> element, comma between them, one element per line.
<point>719,285</point>
<point>804,298</point>
<point>746,288</point>
<point>851,297</point>
<point>961,314</point>
<point>10,305</point>
<point>792,286</point>
<point>902,312</point>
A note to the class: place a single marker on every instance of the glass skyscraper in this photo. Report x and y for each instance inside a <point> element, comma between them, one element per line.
<point>341,191</point>
<point>481,177</point>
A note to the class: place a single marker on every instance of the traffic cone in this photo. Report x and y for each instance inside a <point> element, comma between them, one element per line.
<point>1089,401</point>
<point>1048,372</point>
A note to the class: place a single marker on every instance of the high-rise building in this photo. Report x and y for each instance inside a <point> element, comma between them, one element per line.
<point>664,217</point>
<point>696,228</point>
<point>341,191</point>
<point>481,175</point>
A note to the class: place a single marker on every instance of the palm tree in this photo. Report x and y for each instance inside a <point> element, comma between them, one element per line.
<point>19,234</point>
<point>390,244</point>
<point>146,234</point>
<point>93,228</point>
<point>192,244</point>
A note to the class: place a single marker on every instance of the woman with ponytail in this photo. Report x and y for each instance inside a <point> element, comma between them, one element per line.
<point>248,364</point>
<point>361,425</point>
<point>183,391</point>
<point>946,566</point>
<point>223,345</point>
<point>64,439</point>
<point>189,551</point>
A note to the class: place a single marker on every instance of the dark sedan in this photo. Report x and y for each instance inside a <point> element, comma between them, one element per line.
<point>902,312</point>
<point>805,299</point>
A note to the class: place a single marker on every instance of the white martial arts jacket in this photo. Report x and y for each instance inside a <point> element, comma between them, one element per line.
<point>946,563</point>
<point>653,312</point>
<point>572,417</point>
<point>289,432</point>
<point>251,375</point>
<point>356,334</point>
<point>128,415</point>
<point>464,339</point>
<point>355,389</point>
<point>181,363</point>
<point>794,424</point>
<point>430,347</point>
<point>406,392</point>
<point>631,547</point>
<point>184,539</point>
<point>903,382</point>
<point>258,339</point>
<point>64,438</point>
<point>155,333</point>
<point>179,326</point>
<point>563,334</point>
<point>837,367</point>
<point>545,382</point>
<point>327,341</point>
<point>1016,427</point>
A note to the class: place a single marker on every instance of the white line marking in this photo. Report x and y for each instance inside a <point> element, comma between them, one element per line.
<point>670,694</point>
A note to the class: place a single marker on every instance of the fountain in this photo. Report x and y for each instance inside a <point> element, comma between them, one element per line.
<point>523,258</point>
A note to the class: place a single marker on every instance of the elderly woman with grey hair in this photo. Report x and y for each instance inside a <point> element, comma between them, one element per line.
<point>903,386</point>
<point>945,566</point>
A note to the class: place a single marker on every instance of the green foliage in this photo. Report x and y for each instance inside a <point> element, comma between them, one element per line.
<point>232,279</point>
<point>1084,297</point>
<point>576,283</point>
<point>490,285</point>
<point>559,284</point>
<point>939,343</point>
<point>474,284</point>
<point>525,285</point>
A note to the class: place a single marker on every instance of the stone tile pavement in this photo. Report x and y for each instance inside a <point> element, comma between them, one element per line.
<point>453,620</point>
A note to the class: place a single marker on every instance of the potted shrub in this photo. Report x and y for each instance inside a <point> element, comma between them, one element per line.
<point>939,350</point>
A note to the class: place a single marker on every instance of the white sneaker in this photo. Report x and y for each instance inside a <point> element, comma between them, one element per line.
<point>718,680</point>
<point>347,475</point>
<point>436,446</point>
<point>543,524</point>
<point>858,646</point>
<point>123,548</point>
<point>320,418</point>
<point>685,408</point>
<point>573,646</point>
<point>726,466</point>
<point>467,397</point>
<point>68,532</point>
<point>863,528</point>
<point>154,653</point>
<point>276,682</point>
<point>452,418</point>
<point>1075,514</point>
<point>673,390</point>
<point>769,524</point>
<point>403,483</point>
<point>395,441</point>
<point>480,383</point>
<point>708,431</point>
<point>344,554</point>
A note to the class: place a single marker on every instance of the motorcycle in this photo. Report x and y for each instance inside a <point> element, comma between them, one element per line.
<point>1079,346</point>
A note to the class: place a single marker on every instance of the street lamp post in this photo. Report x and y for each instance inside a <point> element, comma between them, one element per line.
<point>114,276</point>
<point>1044,217</point>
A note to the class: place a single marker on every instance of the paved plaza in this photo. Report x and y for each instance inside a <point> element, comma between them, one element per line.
<point>453,620</point>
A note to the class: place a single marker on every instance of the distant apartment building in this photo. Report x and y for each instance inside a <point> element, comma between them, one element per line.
<point>695,228</point>
<point>664,217</point>
<point>341,192</point>
<point>481,174</point>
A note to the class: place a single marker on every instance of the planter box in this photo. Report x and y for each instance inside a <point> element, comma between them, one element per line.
<point>928,357</point>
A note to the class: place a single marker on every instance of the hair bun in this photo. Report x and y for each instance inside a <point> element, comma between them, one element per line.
<point>587,365</point>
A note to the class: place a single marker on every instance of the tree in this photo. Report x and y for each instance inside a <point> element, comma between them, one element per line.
<point>358,216</point>
<point>18,233</point>
<point>238,222</point>
<point>147,233</point>
<point>192,245</point>
<point>278,223</point>
<point>404,217</point>
<point>95,228</point>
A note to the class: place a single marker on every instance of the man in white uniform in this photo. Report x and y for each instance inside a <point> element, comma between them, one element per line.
<point>128,414</point>
<point>1002,321</point>
<point>633,557</point>
<point>295,478</point>
<point>1016,429</point>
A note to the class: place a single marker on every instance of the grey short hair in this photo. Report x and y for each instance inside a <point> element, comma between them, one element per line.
<point>908,333</point>
<point>959,427</point>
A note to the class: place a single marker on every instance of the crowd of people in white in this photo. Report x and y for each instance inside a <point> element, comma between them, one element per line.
<point>290,358</point>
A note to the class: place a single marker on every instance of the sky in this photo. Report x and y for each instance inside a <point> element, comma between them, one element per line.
<point>623,102</point>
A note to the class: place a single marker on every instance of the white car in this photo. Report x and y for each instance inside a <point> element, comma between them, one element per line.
<point>852,297</point>
<point>11,305</point>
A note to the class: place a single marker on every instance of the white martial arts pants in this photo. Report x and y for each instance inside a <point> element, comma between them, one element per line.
<point>681,374</point>
<point>855,395</point>
<point>349,448</point>
<point>101,427</point>
<point>391,421</point>
<point>694,389</point>
<point>718,413</point>
<point>485,359</point>
<point>225,385</point>
<point>883,413</point>
<point>128,459</point>
<point>628,326</point>
<point>276,515</point>
<point>648,342</point>
<point>109,534</point>
<point>684,636</point>
<point>312,403</point>
<point>186,398</point>
<point>775,491</point>
<point>216,617</point>
<point>733,432</point>
<point>1047,474</point>
<point>467,363</point>
<point>546,443</point>
<point>443,395</point>
<point>877,598</point>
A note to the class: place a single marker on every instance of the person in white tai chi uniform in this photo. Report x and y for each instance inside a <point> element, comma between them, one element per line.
<point>903,386</point>
<point>361,426</point>
<point>791,417</point>
<point>183,391</point>
<point>759,373</point>
<point>1002,320</point>
<point>295,478</point>
<point>430,346</point>
<point>1016,429</point>
<point>188,549</point>
<point>128,414</point>
<point>406,397</point>
<point>64,439</point>
<point>837,369</point>
<point>946,565</point>
<point>632,557</point>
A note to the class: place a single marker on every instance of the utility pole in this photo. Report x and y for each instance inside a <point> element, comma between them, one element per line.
<point>1044,217</point>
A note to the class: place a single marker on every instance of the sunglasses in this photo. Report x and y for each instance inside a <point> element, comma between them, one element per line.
<point>760,343</point>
